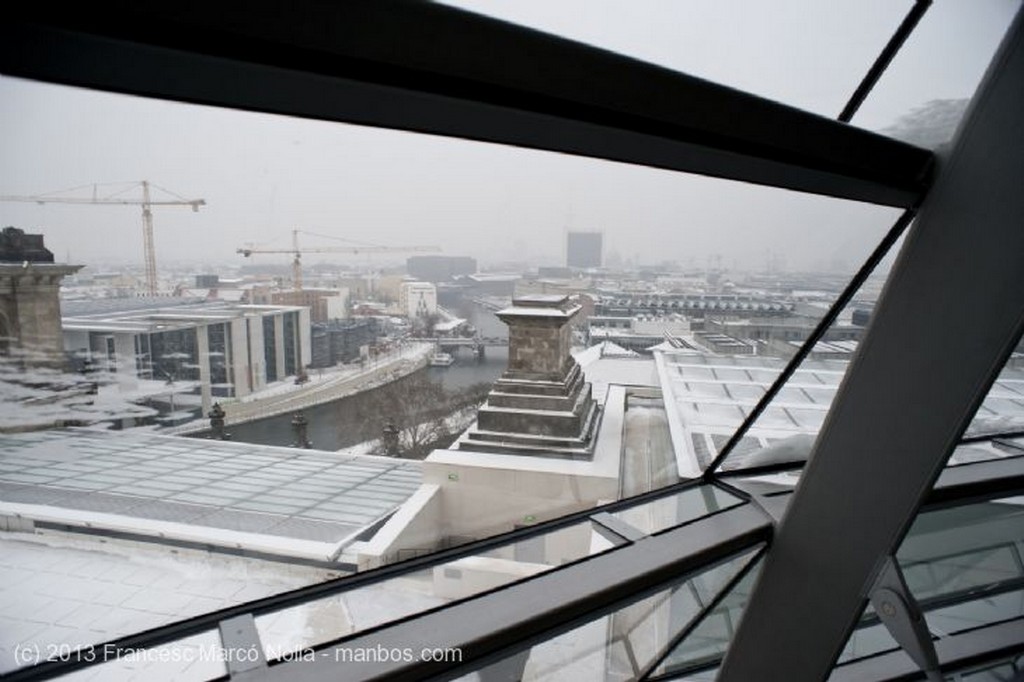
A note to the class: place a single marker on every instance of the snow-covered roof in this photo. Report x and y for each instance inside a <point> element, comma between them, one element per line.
<point>269,500</point>
<point>449,325</point>
<point>104,306</point>
<point>708,396</point>
<point>664,345</point>
<point>522,311</point>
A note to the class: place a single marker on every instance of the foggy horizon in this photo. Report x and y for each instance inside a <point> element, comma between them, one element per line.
<point>264,175</point>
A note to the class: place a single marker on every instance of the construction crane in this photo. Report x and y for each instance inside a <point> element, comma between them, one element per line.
<point>297,252</point>
<point>147,203</point>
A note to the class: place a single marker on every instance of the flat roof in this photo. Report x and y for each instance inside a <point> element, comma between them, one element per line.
<point>708,396</point>
<point>106,306</point>
<point>280,501</point>
<point>152,313</point>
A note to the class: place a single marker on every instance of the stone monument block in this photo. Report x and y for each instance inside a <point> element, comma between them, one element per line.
<point>541,405</point>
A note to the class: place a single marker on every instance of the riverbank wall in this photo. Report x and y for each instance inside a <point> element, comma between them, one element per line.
<point>382,370</point>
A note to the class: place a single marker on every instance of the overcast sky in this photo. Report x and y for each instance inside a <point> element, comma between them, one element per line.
<point>263,176</point>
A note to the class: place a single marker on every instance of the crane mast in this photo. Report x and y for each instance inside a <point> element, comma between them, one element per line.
<point>297,263</point>
<point>147,204</point>
<point>148,248</point>
<point>297,252</point>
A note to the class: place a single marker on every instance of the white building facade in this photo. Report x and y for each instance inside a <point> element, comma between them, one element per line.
<point>231,350</point>
<point>417,299</point>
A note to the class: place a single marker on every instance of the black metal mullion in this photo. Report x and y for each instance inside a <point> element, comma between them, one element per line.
<point>819,331</point>
<point>903,32</point>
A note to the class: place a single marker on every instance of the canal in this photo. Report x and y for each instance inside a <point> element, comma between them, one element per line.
<point>358,418</point>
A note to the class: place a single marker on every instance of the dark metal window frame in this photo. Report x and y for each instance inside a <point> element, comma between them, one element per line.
<point>378,65</point>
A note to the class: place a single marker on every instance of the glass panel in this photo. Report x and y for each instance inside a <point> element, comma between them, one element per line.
<point>923,94</point>
<point>766,49</point>
<point>997,429</point>
<point>674,510</point>
<point>994,608</point>
<point>867,641</point>
<point>785,431</point>
<point>620,646</point>
<point>266,174</point>
<point>964,565</point>
<point>1003,671</point>
<point>965,569</point>
<point>329,618</point>
<point>708,642</point>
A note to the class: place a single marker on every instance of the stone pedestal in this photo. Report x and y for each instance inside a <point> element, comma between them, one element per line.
<point>30,310</point>
<point>30,330</point>
<point>541,405</point>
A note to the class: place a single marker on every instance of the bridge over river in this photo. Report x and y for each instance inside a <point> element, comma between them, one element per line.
<point>477,344</point>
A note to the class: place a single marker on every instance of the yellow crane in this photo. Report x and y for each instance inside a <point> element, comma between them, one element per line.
<point>115,198</point>
<point>297,252</point>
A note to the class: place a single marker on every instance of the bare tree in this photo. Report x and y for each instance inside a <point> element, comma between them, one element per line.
<point>423,412</point>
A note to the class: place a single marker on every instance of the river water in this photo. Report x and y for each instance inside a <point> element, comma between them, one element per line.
<point>347,421</point>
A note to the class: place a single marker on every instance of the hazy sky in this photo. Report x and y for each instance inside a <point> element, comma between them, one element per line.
<point>263,175</point>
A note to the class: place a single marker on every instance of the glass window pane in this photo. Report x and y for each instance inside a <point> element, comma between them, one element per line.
<point>970,556</point>
<point>989,672</point>
<point>867,640</point>
<point>997,430</point>
<point>510,207</point>
<point>765,49</point>
<point>924,92</point>
<point>322,620</point>
<point>623,645</point>
<point>784,432</point>
<point>964,567</point>
<point>708,642</point>
<point>674,510</point>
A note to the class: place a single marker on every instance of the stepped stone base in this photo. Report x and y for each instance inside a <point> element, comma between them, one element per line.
<point>541,406</point>
<point>535,445</point>
<point>537,417</point>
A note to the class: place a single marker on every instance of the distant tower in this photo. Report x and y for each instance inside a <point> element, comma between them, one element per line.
<point>30,328</point>
<point>583,249</point>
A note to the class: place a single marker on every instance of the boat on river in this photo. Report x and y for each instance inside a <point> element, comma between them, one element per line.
<point>441,359</point>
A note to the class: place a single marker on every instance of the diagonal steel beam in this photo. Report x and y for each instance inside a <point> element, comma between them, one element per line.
<point>949,316</point>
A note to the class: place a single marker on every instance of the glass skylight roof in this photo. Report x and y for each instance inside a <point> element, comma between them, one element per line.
<point>712,399</point>
<point>206,486</point>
